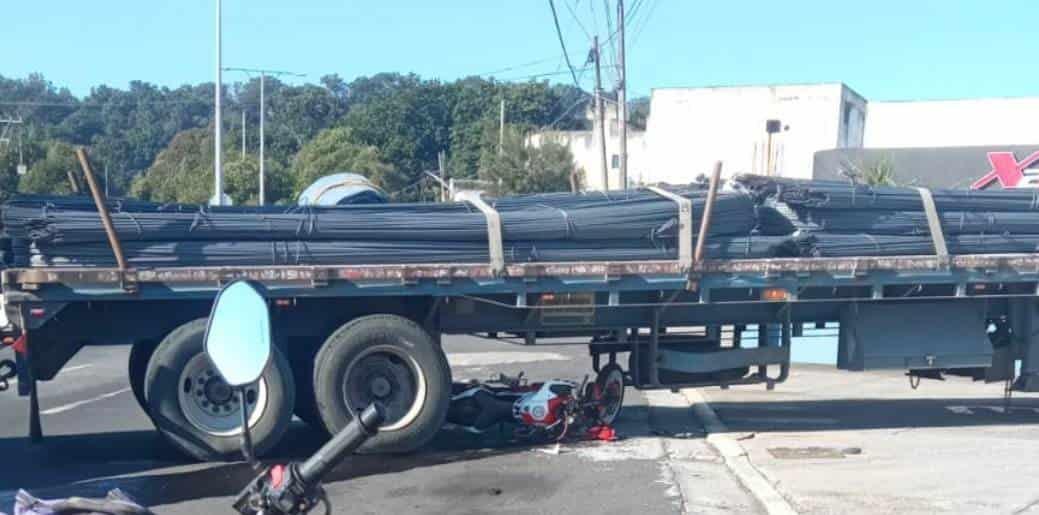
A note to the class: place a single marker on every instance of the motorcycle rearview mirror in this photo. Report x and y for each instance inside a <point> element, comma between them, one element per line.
<point>238,343</point>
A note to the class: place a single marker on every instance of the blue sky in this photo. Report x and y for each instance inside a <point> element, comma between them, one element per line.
<point>907,49</point>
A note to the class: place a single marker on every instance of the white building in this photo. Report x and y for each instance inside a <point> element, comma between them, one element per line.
<point>953,123</point>
<point>584,145</point>
<point>689,129</point>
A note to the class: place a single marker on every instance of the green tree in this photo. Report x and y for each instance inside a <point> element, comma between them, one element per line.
<point>50,175</point>
<point>409,127</point>
<point>332,151</point>
<point>524,168</point>
<point>183,172</point>
<point>10,157</point>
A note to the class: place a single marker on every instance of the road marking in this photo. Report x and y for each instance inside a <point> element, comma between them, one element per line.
<point>970,410</point>
<point>73,368</point>
<point>736,457</point>
<point>74,405</point>
<point>479,359</point>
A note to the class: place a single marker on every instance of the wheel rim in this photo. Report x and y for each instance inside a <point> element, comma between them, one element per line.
<point>212,406</point>
<point>612,387</point>
<point>389,375</point>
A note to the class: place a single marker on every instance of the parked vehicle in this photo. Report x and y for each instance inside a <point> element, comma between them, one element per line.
<point>348,336</point>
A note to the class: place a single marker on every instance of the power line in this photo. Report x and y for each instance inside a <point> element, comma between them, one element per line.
<point>645,22</point>
<point>577,19</point>
<point>559,32</point>
<point>518,66</point>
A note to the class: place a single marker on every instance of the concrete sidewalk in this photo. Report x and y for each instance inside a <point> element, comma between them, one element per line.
<point>830,441</point>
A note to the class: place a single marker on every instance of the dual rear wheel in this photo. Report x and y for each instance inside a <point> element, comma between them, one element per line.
<point>385,358</point>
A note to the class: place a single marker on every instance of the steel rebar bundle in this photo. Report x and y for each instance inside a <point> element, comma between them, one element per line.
<point>66,231</point>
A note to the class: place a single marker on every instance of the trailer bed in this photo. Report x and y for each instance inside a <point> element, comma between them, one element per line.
<point>963,273</point>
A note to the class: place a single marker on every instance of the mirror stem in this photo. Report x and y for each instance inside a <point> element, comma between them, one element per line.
<point>247,440</point>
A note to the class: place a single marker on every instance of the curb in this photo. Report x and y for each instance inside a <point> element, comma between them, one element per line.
<point>736,457</point>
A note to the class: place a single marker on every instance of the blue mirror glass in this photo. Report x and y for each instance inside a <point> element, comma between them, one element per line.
<point>238,339</point>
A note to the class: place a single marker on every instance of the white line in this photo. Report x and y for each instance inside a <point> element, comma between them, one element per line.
<point>736,457</point>
<point>74,405</point>
<point>477,359</point>
<point>66,369</point>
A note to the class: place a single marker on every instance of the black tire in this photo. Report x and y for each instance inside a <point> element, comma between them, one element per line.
<point>162,384</point>
<point>137,367</point>
<point>607,379</point>
<point>404,349</point>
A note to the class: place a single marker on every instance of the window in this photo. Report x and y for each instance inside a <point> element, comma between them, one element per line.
<point>615,161</point>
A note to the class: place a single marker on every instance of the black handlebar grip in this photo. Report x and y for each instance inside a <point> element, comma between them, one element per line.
<point>343,443</point>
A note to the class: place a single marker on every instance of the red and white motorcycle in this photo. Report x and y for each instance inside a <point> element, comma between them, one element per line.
<point>543,411</point>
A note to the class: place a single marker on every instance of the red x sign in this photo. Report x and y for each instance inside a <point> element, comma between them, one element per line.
<point>1005,169</point>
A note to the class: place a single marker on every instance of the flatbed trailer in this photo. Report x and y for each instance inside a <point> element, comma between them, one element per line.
<point>967,314</point>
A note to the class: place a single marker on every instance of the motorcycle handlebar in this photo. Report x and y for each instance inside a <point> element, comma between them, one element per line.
<point>343,443</point>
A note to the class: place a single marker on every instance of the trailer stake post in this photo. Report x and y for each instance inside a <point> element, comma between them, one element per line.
<point>705,223</point>
<point>102,210</point>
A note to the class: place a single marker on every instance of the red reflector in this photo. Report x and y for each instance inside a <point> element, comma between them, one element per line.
<point>37,312</point>
<point>19,345</point>
<point>282,302</point>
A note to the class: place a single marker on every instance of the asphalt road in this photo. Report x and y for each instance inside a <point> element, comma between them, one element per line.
<point>825,442</point>
<point>97,439</point>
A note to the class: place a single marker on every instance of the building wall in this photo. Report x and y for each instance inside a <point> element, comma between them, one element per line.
<point>952,123</point>
<point>689,129</point>
<point>931,167</point>
<point>945,142</point>
<point>584,145</point>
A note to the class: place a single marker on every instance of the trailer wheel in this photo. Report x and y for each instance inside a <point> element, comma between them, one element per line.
<point>137,366</point>
<point>198,413</point>
<point>390,359</point>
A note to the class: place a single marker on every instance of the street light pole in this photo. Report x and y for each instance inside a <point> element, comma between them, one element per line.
<point>218,172</point>
<point>263,114</point>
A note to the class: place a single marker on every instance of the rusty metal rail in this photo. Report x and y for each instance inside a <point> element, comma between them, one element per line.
<point>857,266</point>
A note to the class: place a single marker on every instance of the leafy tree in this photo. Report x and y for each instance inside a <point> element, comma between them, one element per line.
<point>409,127</point>
<point>182,172</point>
<point>524,168</point>
<point>638,113</point>
<point>241,181</point>
<point>50,175</point>
<point>31,152</point>
<point>332,151</point>
<point>152,140</point>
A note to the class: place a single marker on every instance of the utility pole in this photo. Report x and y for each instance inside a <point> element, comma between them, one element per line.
<point>263,116</point>
<point>600,115</point>
<point>622,97</point>
<point>243,134</point>
<point>501,129</point>
<point>218,171</point>
<point>263,175</point>
<point>442,171</point>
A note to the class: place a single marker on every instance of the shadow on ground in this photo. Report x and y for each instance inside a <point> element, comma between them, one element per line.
<point>143,465</point>
<point>851,414</point>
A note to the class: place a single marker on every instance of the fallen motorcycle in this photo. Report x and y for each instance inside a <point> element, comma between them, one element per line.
<point>542,411</point>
